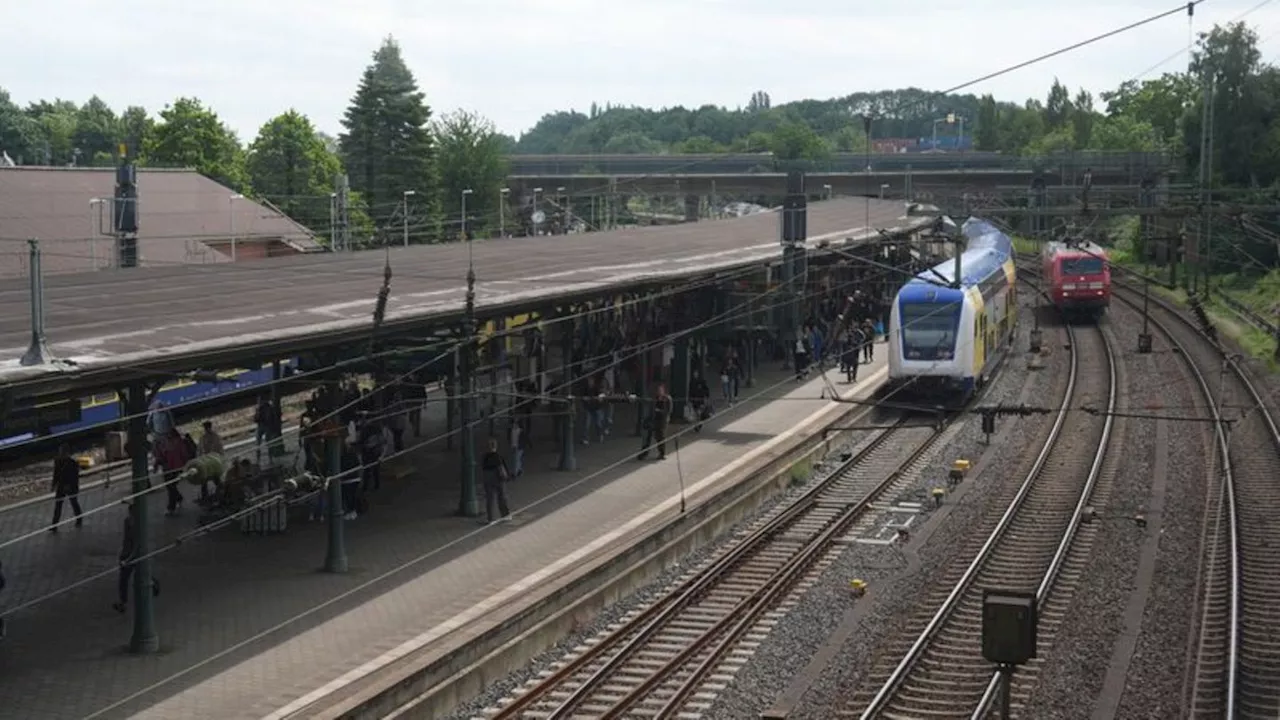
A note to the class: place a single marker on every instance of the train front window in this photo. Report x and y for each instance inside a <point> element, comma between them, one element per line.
<point>929,330</point>
<point>1082,266</point>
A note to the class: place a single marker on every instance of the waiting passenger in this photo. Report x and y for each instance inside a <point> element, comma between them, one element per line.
<point>210,440</point>
<point>495,478</point>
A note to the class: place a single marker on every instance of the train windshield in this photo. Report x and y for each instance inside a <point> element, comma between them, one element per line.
<point>929,330</point>
<point>1082,266</point>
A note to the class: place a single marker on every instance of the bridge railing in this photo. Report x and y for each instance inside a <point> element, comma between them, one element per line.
<point>1065,164</point>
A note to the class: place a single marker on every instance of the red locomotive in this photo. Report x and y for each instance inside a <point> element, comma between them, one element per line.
<point>1078,274</point>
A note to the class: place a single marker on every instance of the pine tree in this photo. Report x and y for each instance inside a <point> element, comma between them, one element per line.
<point>387,146</point>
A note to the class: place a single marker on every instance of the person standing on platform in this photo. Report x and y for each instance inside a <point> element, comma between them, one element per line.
<point>656,432</point>
<point>869,341</point>
<point>210,440</point>
<point>171,456</point>
<point>66,485</point>
<point>729,377</point>
<point>495,478</point>
<point>262,423</point>
<point>853,355</point>
<point>128,555</point>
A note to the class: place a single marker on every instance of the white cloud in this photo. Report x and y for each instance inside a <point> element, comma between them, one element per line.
<point>514,60</point>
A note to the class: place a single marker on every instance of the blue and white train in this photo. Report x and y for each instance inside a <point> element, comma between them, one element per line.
<point>945,340</point>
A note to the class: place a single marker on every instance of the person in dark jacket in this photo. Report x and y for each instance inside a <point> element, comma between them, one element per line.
<point>869,341</point>
<point>66,486</point>
<point>128,557</point>
<point>657,426</point>
<point>700,400</point>
<point>495,478</point>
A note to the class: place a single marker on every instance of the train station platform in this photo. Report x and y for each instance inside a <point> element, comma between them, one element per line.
<point>251,628</point>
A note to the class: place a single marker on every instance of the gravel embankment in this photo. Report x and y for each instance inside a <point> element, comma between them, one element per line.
<point>896,577</point>
<point>1155,680</point>
<point>1075,674</point>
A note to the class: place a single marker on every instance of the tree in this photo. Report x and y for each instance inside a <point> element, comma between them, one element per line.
<point>759,102</point>
<point>796,141</point>
<point>1123,132</point>
<point>190,135</point>
<point>987,134</point>
<point>57,123</point>
<point>136,129</point>
<point>1082,117</point>
<point>289,164</point>
<point>471,157</point>
<point>20,136</point>
<point>387,145</point>
<point>1057,109</point>
<point>1161,102</point>
<point>97,133</point>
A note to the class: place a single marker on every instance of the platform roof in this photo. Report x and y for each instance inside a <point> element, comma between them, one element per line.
<point>113,325</point>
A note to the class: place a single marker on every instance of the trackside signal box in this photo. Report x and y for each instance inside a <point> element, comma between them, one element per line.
<point>1008,626</point>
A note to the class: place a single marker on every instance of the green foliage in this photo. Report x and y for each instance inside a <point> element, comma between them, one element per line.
<point>472,157</point>
<point>289,164</point>
<point>387,146</point>
<point>191,135</point>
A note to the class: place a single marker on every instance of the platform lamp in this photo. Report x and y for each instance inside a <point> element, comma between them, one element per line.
<point>564,208</point>
<point>231,213</point>
<point>502,210</point>
<point>534,215</point>
<point>465,193</point>
<point>405,218</point>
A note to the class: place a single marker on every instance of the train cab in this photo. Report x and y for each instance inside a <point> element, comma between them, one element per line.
<point>1078,275</point>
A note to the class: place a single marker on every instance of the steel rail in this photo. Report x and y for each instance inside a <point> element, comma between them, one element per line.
<point>654,616</point>
<point>913,654</point>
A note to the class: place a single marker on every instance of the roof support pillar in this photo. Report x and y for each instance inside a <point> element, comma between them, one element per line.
<point>38,352</point>
<point>137,560</point>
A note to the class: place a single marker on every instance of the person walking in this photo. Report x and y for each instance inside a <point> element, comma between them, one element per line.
<point>869,341</point>
<point>495,479</point>
<point>66,486</point>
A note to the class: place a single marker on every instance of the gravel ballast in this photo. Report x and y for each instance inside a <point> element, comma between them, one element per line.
<point>897,576</point>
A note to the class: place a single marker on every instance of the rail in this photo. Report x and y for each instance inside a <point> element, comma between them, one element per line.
<point>935,625</point>
<point>1229,479</point>
<point>627,640</point>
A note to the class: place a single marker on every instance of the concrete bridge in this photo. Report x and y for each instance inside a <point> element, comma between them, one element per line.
<point>595,181</point>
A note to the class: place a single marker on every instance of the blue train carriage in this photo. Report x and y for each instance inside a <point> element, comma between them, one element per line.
<point>101,411</point>
<point>944,341</point>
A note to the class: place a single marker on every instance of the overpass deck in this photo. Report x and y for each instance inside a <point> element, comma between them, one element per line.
<point>107,325</point>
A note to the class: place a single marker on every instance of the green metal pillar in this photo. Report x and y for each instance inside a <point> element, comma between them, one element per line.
<point>568,455</point>
<point>144,638</point>
<point>335,559</point>
<point>679,389</point>
<point>468,503</point>
<point>642,384</point>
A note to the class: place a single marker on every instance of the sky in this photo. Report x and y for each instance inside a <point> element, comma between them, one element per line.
<point>515,60</point>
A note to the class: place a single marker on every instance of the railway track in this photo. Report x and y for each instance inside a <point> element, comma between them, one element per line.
<point>938,671</point>
<point>662,661</point>
<point>1234,671</point>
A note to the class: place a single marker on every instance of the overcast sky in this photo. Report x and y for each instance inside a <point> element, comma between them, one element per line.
<point>515,60</point>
